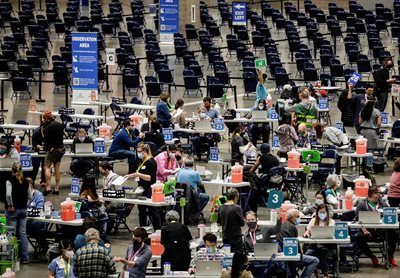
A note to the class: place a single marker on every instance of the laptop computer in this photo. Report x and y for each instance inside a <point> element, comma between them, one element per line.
<point>7,162</point>
<point>369,217</point>
<point>260,115</point>
<point>82,148</point>
<point>321,232</point>
<point>265,249</point>
<point>208,269</point>
<point>202,125</point>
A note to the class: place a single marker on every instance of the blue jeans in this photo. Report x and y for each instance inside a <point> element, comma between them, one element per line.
<point>17,219</point>
<point>203,198</point>
<point>130,155</point>
<point>309,262</point>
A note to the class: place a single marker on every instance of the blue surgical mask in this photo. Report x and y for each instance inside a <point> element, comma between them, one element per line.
<point>202,115</point>
<point>140,155</point>
<point>322,215</point>
<point>2,151</point>
<point>261,107</point>
<point>319,201</point>
<point>211,250</point>
<point>298,221</point>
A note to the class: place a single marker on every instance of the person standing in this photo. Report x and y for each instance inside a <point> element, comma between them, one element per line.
<point>63,265</point>
<point>359,101</point>
<point>261,88</point>
<point>163,111</point>
<point>230,216</point>
<point>146,170</point>
<point>394,187</point>
<point>383,83</point>
<point>137,256</point>
<point>305,111</point>
<point>287,136</point>
<point>53,135</point>
<point>93,260</point>
<point>18,194</point>
<point>175,237</point>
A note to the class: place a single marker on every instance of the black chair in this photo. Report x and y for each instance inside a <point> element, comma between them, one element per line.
<point>132,82</point>
<point>191,82</point>
<point>215,88</point>
<point>250,83</point>
<point>70,127</point>
<point>119,217</point>
<point>20,86</point>
<point>119,116</point>
<point>153,88</point>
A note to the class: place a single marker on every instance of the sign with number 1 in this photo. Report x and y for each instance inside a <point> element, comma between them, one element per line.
<point>389,216</point>
<point>25,160</point>
<point>275,199</point>
<point>290,246</point>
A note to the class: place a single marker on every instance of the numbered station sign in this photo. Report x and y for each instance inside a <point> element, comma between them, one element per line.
<point>275,141</point>
<point>272,114</point>
<point>385,118</point>
<point>25,160</point>
<point>275,199</point>
<point>354,78</point>
<point>389,216</point>
<point>219,124</point>
<point>290,246</point>
<point>339,125</point>
<point>99,146</point>
<point>214,154</point>
<point>341,230</point>
<point>167,132</point>
<point>75,186</point>
<point>323,103</point>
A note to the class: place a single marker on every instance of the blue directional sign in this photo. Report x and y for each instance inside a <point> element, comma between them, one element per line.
<point>341,230</point>
<point>169,19</point>
<point>355,77</point>
<point>99,146</point>
<point>25,160</point>
<point>214,154</point>
<point>168,135</point>
<point>75,186</point>
<point>389,216</point>
<point>385,118</point>
<point>275,199</point>
<point>239,13</point>
<point>339,125</point>
<point>323,103</point>
<point>290,246</point>
<point>84,66</point>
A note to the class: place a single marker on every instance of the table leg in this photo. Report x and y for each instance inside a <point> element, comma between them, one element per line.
<point>337,259</point>
<point>386,245</point>
<point>286,269</point>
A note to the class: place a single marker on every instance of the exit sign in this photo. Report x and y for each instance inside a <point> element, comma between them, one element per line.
<point>261,63</point>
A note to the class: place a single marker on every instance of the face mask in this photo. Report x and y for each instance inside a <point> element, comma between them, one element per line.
<point>81,139</point>
<point>140,155</point>
<point>69,253</point>
<point>252,225</point>
<point>298,221</point>
<point>322,215</point>
<point>2,151</point>
<point>171,155</point>
<point>389,66</point>
<point>319,201</point>
<point>261,107</point>
<point>202,115</point>
<point>211,250</point>
<point>137,243</point>
<point>178,157</point>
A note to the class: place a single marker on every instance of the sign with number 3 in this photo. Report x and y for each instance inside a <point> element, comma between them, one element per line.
<point>275,199</point>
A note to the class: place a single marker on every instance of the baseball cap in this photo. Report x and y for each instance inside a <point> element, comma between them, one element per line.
<point>264,148</point>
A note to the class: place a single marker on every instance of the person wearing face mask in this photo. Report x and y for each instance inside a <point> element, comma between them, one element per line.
<point>162,111</point>
<point>166,163</point>
<point>332,193</point>
<point>320,199</point>
<point>289,230</point>
<point>7,150</point>
<point>179,156</point>
<point>240,263</point>
<point>258,129</point>
<point>209,252</point>
<point>240,145</point>
<point>374,202</point>
<point>261,89</point>
<point>305,111</point>
<point>259,234</point>
<point>175,237</point>
<point>321,251</point>
<point>383,82</point>
<point>63,265</point>
<point>80,166</point>
<point>122,143</point>
<point>137,256</point>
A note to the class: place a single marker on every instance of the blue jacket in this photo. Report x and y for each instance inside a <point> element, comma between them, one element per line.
<point>123,141</point>
<point>163,114</point>
<point>37,200</point>
<point>190,176</point>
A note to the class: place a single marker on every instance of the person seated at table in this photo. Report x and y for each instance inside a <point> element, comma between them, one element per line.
<point>154,135</point>
<point>305,137</point>
<point>63,265</point>
<point>122,143</point>
<point>266,160</point>
<point>374,202</point>
<point>88,195</point>
<point>321,251</point>
<point>175,238</point>
<point>332,193</point>
<point>304,112</point>
<point>37,200</point>
<point>179,114</point>
<point>7,150</point>
<point>80,166</point>
<point>180,157</point>
<point>148,127</point>
<point>106,170</point>
<point>198,140</point>
<point>163,111</point>
<point>287,136</point>
<point>330,135</point>
<point>259,234</point>
<point>166,163</point>
<point>211,112</point>
<point>240,146</point>
<point>320,199</point>
<point>240,263</point>
<point>208,253</point>
<point>80,240</point>
<point>188,175</point>
<point>258,129</point>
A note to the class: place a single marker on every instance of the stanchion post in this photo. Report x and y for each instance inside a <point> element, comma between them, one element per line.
<point>235,95</point>
<point>40,84</point>
<point>123,87</point>
<point>66,93</point>
<point>107,84</point>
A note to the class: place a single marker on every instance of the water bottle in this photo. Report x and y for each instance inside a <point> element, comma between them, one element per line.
<point>167,269</point>
<point>218,176</point>
<point>329,82</point>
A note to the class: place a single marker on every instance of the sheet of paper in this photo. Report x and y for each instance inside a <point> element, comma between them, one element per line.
<point>201,170</point>
<point>119,181</point>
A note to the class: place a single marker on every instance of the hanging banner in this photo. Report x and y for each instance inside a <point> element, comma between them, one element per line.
<point>239,13</point>
<point>85,82</point>
<point>169,20</point>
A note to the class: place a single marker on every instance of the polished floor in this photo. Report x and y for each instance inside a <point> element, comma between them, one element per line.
<point>18,110</point>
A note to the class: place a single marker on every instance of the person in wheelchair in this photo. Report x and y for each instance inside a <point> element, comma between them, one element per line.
<point>80,166</point>
<point>266,160</point>
<point>372,203</point>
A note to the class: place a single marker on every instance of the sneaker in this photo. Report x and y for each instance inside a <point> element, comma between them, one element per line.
<point>392,261</point>
<point>43,184</point>
<point>56,192</point>
<point>375,261</point>
<point>46,192</point>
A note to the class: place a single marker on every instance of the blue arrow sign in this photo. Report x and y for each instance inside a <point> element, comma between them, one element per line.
<point>239,13</point>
